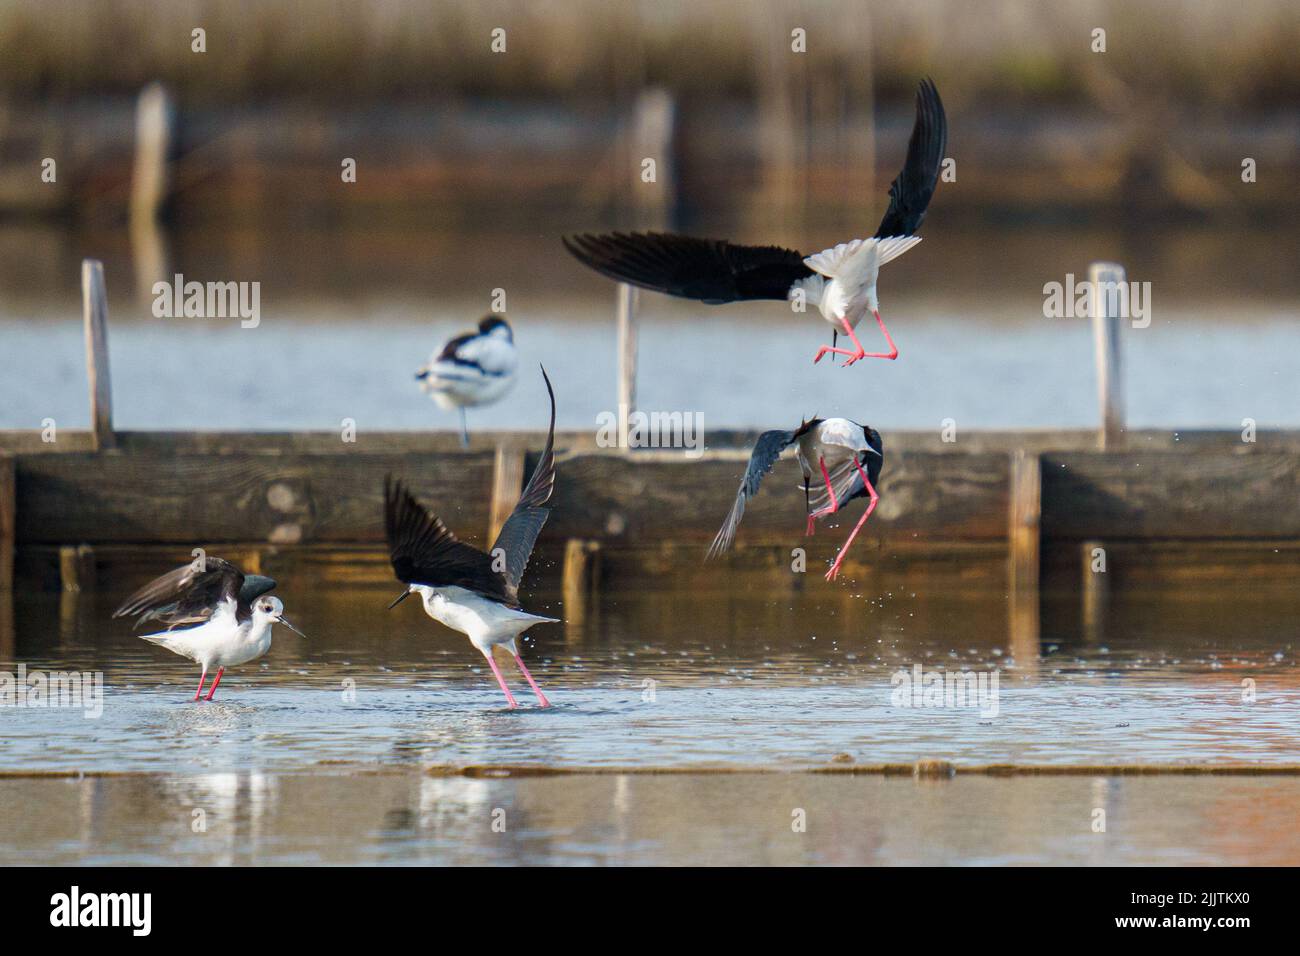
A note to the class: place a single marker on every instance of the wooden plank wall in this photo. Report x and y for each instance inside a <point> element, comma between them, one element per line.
<point>650,498</point>
<point>196,499</point>
<point>28,441</point>
<point>1169,494</point>
<point>296,499</point>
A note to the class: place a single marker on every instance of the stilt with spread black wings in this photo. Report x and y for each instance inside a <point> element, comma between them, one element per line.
<point>469,590</point>
<point>840,282</point>
<point>840,460</point>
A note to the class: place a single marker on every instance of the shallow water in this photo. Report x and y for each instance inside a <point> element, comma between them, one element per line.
<point>750,684</point>
<point>734,819</point>
<point>348,314</point>
<point>354,745</point>
<point>978,367</point>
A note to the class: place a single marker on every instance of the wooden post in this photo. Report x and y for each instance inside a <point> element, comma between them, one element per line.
<point>8,522</point>
<point>1096,594</point>
<point>77,567</point>
<point>1106,279</point>
<point>94,301</point>
<point>507,485</point>
<point>1024,541</point>
<point>653,121</point>
<point>8,638</point>
<point>581,578</point>
<point>150,184</point>
<point>153,121</point>
<point>783,127</point>
<point>627,303</point>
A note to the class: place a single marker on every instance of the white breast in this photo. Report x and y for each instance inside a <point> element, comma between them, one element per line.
<point>484,622</point>
<point>223,641</point>
<point>250,642</point>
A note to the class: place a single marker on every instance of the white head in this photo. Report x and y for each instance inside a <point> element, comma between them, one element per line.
<point>496,327</point>
<point>269,609</point>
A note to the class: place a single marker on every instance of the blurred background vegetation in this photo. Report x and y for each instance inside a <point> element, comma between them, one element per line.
<point>1224,54</point>
<point>465,151</point>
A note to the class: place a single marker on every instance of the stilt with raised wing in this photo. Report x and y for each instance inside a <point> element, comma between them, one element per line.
<point>215,615</point>
<point>840,282</point>
<point>468,590</point>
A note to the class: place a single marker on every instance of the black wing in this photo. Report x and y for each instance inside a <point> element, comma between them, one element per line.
<point>767,450</point>
<point>255,585</point>
<point>519,533</point>
<point>189,595</point>
<point>451,351</point>
<point>711,270</point>
<point>423,551</point>
<point>911,190</point>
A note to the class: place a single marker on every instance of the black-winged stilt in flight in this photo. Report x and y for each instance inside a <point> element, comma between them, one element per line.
<point>832,453</point>
<point>215,615</point>
<point>840,282</point>
<point>466,589</point>
<point>475,368</point>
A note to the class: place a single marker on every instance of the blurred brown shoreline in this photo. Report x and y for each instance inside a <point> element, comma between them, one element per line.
<point>1007,54</point>
<point>450,164</point>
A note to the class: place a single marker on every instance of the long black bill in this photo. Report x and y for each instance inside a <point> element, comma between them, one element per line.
<point>400,598</point>
<point>285,622</point>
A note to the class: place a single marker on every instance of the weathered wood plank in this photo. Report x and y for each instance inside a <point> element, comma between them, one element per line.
<point>1096,590</point>
<point>1024,541</point>
<point>292,499</point>
<point>278,499</point>
<point>1201,573</point>
<point>95,314</point>
<point>625,320</point>
<point>1166,494</point>
<point>1201,569</point>
<point>153,135</point>
<point>1106,278</point>
<point>1025,517</point>
<point>645,500</point>
<point>8,521</point>
<point>507,485</point>
<point>581,578</point>
<point>651,135</point>
<point>947,568</point>
<point>77,567</point>
<point>28,441</point>
<point>8,635</point>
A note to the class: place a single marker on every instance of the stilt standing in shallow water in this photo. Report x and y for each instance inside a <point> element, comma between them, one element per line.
<point>216,615</point>
<point>462,587</point>
<point>472,369</point>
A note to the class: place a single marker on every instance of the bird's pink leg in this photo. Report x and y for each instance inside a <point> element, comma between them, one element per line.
<point>853,356</point>
<point>213,689</point>
<point>831,349</point>
<point>835,568</point>
<point>541,698</point>
<point>202,678</point>
<point>833,507</point>
<point>893,349</point>
<point>835,502</point>
<point>500,680</point>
